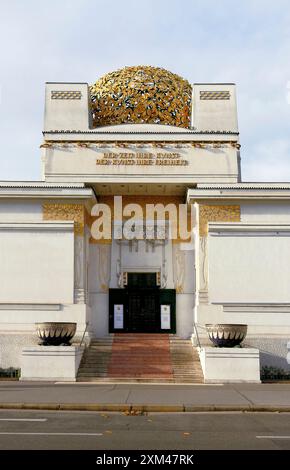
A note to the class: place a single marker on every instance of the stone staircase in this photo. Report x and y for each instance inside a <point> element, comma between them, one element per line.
<point>95,361</point>
<point>131,357</point>
<point>185,361</point>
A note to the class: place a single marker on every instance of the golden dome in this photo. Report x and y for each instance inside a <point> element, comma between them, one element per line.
<point>141,94</point>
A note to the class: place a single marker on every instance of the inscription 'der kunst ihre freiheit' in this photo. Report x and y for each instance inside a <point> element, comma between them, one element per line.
<point>141,158</point>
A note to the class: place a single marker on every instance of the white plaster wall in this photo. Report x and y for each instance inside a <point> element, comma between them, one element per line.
<point>66,114</point>
<point>217,115</point>
<point>226,365</point>
<point>261,318</point>
<point>273,351</point>
<point>20,211</point>
<point>11,346</point>
<point>249,268</point>
<point>204,165</point>
<point>37,265</point>
<point>183,260</point>
<point>51,363</point>
<point>17,327</point>
<point>21,318</point>
<point>178,273</point>
<point>268,330</point>
<point>262,212</point>
<point>99,279</point>
<point>184,315</point>
<point>140,257</point>
<point>99,267</point>
<point>99,314</point>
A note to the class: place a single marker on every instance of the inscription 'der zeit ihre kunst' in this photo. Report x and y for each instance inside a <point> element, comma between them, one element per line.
<point>141,158</point>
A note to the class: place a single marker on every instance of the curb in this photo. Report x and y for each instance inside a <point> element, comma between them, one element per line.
<point>140,409</point>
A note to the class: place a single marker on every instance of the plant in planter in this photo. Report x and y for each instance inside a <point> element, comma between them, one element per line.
<point>55,333</point>
<point>224,335</point>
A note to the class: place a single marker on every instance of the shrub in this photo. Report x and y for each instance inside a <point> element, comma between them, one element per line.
<point>274,373</point>
<point>11,372</point>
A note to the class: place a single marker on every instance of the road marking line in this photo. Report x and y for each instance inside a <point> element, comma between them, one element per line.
<point>51,433</point>
<point>273,437</point>
<point>40,420</point>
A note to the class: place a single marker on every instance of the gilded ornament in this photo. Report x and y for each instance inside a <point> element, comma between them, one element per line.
<point>99,144</point>
<point>141,94</point>
<point>216,213</point>
<point>75,212</point>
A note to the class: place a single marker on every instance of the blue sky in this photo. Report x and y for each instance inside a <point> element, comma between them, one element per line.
<point>204,41</point>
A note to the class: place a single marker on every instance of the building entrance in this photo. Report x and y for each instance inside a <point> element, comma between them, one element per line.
<point>142,307</point>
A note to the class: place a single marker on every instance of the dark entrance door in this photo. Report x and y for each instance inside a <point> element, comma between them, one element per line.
<point>141,303</point>
<point>143,306</point>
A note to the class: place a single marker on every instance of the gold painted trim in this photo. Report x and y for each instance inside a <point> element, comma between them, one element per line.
<point>206,144</point>
<point>215,95</point>
<point>58,211</point>
<point>217,213</point>
<point>142,201</point>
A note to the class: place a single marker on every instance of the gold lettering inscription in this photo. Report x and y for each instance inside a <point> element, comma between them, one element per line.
<point>142,158</point>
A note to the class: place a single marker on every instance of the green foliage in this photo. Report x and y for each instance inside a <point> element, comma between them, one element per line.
<point>11,372</point>
<point>274,373</point>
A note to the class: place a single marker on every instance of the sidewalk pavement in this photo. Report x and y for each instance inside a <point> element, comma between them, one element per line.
<point>135,398</point>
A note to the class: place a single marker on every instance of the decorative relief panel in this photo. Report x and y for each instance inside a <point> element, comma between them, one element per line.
<point>74,212</point>
<point>179,269</point>
<point>135,146</point>
<point>104,266</point>
<point>79,263</point>
<point>141,94</point>
<point>216,213</point>
<point>203,278</point>
<point>66,95</point>
<point>214,95</point>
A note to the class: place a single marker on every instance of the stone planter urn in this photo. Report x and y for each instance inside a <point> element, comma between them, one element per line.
<point>226,335</point>
<point>55,333</point>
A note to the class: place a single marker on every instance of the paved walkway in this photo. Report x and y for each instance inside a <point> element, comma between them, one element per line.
<point>145,397</point>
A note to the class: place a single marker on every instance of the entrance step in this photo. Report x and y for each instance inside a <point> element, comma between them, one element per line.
<point>185,362</point>
<point>134,358</point>
<point>94,364</point>
<point>141,356</point>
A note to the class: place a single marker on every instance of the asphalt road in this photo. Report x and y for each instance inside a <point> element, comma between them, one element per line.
<point>69,430</point>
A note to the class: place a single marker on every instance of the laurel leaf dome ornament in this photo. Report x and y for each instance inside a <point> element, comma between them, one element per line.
<point>141,94</point>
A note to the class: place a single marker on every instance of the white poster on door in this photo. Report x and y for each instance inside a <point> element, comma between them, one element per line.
<point>165,317</point>
<point>118,317</point>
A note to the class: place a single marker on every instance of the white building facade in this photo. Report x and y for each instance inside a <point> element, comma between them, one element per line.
<point>149,137</point>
